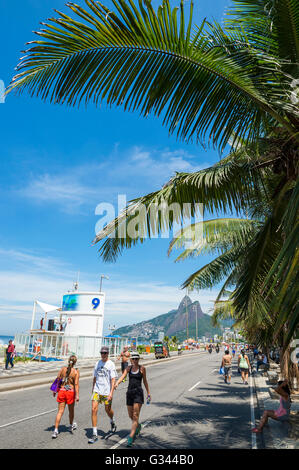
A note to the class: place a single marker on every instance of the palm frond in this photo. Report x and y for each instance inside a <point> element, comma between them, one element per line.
<point>137,58</point>
<point>225,187</point>
<point>213,272</point>
<point>212,236</point>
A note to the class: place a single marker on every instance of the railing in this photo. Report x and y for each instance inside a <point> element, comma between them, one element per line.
<point>59,346</point>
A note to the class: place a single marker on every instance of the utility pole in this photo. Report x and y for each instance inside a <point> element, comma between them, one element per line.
<point>102,277</point>
<point>196,325</point>
<point>187,329</point>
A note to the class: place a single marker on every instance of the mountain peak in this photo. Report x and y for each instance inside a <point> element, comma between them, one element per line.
<point>185,303</point>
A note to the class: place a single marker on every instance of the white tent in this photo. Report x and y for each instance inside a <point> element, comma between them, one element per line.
<point>46,308</point>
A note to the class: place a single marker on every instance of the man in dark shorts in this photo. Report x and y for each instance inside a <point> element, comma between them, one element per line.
<point>124,356</point>
<point>226,364</point>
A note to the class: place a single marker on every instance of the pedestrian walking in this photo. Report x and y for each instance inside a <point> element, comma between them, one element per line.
<point>124,356</point>
<point>283,412</point>
<point>244,366</point>
<point>102,391</point>
<point>226,364</point>
<point>10,354</point>
<point>135,396</point>
<point>233,352</point>
<point>68,394</point>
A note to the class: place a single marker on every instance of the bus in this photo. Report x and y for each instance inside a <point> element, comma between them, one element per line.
<point>161,350</point>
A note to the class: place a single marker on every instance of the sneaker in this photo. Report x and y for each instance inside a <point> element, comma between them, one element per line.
<point>256,430</point>
<point>93,439</point>
<point>137,432</point>
<point>113,426</point>
<point>130,442</point>
<point>73,427</point>
<point>54,435</point>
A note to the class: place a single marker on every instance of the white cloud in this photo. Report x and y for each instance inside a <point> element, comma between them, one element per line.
<point>134,172</point>
<point>63,190</point>
<point>49,278</point>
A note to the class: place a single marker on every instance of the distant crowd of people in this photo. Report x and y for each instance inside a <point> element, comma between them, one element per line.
<point>245,364</point>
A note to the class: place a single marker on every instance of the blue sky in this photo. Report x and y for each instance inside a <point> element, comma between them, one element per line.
<point>57,164</point>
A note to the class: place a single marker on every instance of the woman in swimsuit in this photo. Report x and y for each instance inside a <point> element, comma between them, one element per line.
<point>135,397</point>
<point>283,411</point>
<point>68,394</point>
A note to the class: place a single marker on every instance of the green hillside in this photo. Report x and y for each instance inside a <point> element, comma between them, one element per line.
<point>173,323</point>
<point>205,327</point>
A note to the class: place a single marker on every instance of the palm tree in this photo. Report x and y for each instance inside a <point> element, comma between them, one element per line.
<point>222,83</point>
<point>227,85</point>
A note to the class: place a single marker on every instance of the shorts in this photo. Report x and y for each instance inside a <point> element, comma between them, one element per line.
<point>102,399</point>
<point>135,396</point>
<point>244,369</point>
<point>66,396</point>
<point>227,370</point>
<point>284,417</point>
<point>124,365</point>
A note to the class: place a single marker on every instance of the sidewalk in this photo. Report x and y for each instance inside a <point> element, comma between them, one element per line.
<point>276,435</point>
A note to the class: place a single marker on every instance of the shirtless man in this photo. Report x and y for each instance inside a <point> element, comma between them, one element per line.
<point>226,363</point>
<point>125,356</point>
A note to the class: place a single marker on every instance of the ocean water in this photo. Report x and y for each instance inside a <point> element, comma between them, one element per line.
<point>5,339</point>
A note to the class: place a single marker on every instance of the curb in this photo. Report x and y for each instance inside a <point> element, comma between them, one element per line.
<point>48,380</point>
<point>273,437</point>
<point>266,434</point>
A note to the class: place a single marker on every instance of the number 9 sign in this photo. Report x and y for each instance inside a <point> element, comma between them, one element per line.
<point>95,302</point>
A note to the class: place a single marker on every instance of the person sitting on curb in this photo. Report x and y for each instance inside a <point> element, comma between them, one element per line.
<point>262,362</point>
<point>283,412</point>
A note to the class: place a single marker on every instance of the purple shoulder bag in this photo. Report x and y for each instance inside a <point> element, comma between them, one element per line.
<point>56,385</point>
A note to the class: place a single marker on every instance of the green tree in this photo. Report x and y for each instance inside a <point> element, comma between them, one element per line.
<point>227,85</point>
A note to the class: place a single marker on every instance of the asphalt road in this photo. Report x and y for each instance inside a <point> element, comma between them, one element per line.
<point>192,408</point>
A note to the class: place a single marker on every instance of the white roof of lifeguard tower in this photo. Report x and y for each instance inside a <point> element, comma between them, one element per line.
<point>47,307</point>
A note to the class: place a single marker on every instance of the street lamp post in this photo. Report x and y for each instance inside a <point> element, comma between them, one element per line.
<point>111,328</point>
<point>187,330</point>
<point>196,325</point>
<point>103,277</point>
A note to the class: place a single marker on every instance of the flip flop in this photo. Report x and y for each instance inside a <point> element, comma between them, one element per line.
<point>256,430</point>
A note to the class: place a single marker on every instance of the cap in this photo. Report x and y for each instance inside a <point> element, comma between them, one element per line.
<point>135,355</point>
<point>104,349</point>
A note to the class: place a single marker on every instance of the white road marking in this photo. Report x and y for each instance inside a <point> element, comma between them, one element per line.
<point>55,409</point>
<point>122,441</point>
<point>25,419</point>
<point>193,386</point>
<point>253,435</point>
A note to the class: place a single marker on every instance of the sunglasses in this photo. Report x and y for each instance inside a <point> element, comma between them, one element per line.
<point>104,353</point>
<point>135,358</point>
